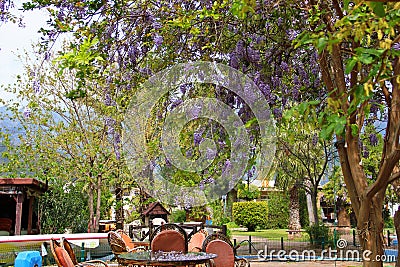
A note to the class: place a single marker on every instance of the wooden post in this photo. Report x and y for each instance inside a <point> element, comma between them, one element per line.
<point>30,214</point>
<point>19,199</point>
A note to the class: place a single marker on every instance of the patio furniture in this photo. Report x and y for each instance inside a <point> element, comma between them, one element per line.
<point>196,240</point>
<point>220,244</point>
<point>163,258</point>
<point>169,237</point>
<point>131,244</point>
<point>118,246</point>
<point>65,256</point>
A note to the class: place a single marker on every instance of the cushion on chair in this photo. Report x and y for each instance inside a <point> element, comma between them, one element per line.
<point>196,242</point>
<point>225,258</point>
<point>127,240</point>
<point>168,240</point>
<point>67,246</point>
<point>63,257</point>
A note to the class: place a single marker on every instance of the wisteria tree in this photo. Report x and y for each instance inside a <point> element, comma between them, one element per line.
<point>137,39</point>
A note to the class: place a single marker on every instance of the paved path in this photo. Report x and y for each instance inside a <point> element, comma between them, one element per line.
<point>301,264</point>
<point>311,264</point>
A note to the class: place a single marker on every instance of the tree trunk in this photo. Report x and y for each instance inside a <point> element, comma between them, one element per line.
<point>310,208</point>
<point>98,204</point>
<point>119,211</point>
<point>315,206</point>
<point>230,199</point>
<point>294,209</point>
<point>370,232</point>
<point>91,211</point>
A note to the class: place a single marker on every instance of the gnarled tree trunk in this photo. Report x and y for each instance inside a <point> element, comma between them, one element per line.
<point>294,209</point>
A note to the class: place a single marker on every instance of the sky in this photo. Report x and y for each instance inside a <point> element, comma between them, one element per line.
<point>14,41</point>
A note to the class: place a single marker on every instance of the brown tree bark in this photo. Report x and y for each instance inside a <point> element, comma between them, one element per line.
<point>91,210</point>
<point>119,211</point>
<point>98,203</point>
<point>294,209</point>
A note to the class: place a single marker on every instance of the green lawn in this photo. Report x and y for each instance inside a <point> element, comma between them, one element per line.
<point>269,233</point>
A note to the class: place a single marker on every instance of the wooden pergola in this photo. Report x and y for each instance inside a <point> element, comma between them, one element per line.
<point>22,192</point>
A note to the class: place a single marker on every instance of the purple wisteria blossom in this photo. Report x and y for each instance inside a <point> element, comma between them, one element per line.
<point>198,137</point>
<point>157,25</point>
<point>396,46</point>
<point>365,152</point>
<point>210,154</point>
<point>277,113</point>
<point>227,166</point>
<point>176,103</point>
<point>27,112</point>
<point>284,66</point>
<point>158,40</point>
<point>373,139</point>
<point>189,153</point>
<point>36,87</point>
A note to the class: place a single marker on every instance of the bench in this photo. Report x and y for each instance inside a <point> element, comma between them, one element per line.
<point>294,233</point>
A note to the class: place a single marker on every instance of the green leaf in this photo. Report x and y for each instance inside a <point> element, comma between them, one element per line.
<point>366,59</point>
<point>326,132</point>
<point>250,122</point>
<point>354,129</point>
<point>350,65</point>
<point>346,4</point>
<point>375,52</point>
<point>321,44</point>
<point>339,128</point>
<point>379,9</point>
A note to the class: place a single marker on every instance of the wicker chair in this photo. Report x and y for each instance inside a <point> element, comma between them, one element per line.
<point>169,237</point>
<point>118,246</point>
<point>130,244</point>
<point>65,256</point>
<point>221,245</point>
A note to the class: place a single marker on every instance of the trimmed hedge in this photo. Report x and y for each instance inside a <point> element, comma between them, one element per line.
<point>278,210</point>
<point>250,214</point>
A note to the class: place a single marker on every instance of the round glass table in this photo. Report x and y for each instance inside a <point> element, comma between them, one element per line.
<point>163,258</point>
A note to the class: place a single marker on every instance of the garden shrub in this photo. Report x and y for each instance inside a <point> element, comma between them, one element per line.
<point>320,235</point>
<point>248,192</point>
<point>250,214</point>
<point>278,211</point>
<point>63,207</point>
<point>178,216</point>
<point>304,220</point>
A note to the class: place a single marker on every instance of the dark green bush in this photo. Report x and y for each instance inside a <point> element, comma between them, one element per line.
<point>178,216</point>
<point>304,220</point>
<point>278,210</point>
<point>320,235</point>
<point>250,214</point>
<point>64,207</point>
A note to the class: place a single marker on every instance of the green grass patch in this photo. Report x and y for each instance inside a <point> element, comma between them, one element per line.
<point>232,225</point>
<point>270,234</point>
